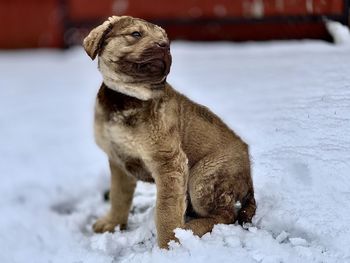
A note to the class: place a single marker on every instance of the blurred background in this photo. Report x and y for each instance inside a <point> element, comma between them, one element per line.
<point>63,23</point>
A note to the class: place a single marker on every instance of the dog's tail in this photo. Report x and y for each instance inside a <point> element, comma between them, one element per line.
<point>247,211</point>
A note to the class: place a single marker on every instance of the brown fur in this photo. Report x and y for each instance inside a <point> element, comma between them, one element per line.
<point>152,133</point>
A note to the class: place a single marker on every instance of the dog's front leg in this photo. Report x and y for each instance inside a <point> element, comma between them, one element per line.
<point>121,194</point>
<point>171,173</point>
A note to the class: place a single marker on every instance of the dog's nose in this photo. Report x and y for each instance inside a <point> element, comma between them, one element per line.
<point>163,44</point>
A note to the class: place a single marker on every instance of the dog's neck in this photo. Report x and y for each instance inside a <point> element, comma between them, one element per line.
<point>137,90</point>
<point>122,84</point>
<point>114,101</point>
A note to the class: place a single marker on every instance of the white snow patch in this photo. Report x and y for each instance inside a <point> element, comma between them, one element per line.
<point>282,236</point>
<point>297,241</point>
<point>339,32</point>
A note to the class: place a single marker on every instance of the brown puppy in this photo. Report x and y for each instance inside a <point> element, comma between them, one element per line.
<point>154,134</point>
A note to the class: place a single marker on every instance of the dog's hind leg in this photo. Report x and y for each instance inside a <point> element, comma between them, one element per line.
<point>201,226</point>
<point>247,211</point>
<point>216,183</point>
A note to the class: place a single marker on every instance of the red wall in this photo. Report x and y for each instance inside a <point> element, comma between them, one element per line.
<point>56,23</point>
<point>30,23</point>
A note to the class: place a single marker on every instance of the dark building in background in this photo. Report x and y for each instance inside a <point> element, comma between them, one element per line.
<point>61,23</point>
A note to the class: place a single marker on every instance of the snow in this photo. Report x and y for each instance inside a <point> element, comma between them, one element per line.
<point>289,100</point>
<point>339,32</point>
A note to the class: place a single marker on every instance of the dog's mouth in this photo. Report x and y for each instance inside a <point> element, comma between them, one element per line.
<point>153,65</point>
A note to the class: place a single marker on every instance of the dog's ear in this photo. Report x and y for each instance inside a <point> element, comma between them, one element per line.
<point>94,41</point>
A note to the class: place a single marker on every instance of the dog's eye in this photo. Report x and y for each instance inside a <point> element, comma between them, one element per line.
<point>136,34</point>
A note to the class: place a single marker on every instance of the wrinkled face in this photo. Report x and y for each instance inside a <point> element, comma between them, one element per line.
<point>130,50</point>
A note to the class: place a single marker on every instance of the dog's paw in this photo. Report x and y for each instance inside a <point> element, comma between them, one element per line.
<point>106,224</point>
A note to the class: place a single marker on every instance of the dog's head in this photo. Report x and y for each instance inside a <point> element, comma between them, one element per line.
<point>134,55</point>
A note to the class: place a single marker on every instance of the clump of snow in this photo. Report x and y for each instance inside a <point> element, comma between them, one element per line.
<point>282,236</point>
<point>339,32</point>
<point>290,101</point>
<point>297,241</point>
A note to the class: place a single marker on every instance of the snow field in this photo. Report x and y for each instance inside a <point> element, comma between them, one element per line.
<point>289,100</point>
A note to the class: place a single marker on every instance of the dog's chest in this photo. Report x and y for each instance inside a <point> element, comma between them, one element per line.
<point>122,141</point>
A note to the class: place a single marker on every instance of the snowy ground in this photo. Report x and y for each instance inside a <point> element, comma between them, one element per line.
<point>290,101</point>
